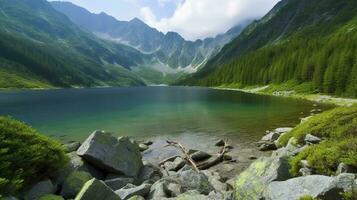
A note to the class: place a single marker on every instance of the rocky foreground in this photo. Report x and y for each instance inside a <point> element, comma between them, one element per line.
<point>109,168</point>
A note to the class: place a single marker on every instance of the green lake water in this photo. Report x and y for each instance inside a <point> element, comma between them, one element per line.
<point>196,116</point>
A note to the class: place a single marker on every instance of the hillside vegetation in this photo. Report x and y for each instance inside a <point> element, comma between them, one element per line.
<point>310,42</point>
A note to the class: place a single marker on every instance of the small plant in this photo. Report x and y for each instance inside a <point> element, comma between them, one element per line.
<point>25,156</point>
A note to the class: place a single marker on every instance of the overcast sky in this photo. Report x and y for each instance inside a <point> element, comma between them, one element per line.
<point>193,19</point>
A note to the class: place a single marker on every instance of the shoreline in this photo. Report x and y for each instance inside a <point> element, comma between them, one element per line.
<point>318,98</point>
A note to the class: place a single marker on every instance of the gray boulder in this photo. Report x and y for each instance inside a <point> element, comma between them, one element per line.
<point>270,137</point>
<point>160,189</point>
<point>311,139</point>
<point>40,189</point>
<point>111,154</point>
<point>267,146</point>
<point>251,183</point>
<point>174,189</point>
<point>316,186</point>
<point>132,190</point>
<point>175,165</point>
<point>95,189</point>
<point>78,164</point>
<point>192,180</point>
<point>71,147</point>
<point>343,168</point>
<point>119,182</point>
<point>150,173</point>
<point>215,180</point>
<point>143,147</point>
<point>73,183</point>
<point>200,155</point>
<point>170,159</point>
<point>283,130</point>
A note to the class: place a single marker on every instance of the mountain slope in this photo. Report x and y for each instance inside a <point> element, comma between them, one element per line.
<point>309,42</point>
<point>170,49</point>
<point>41,47</point>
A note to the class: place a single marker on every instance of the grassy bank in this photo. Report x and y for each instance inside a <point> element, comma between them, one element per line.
<point>292,90</point>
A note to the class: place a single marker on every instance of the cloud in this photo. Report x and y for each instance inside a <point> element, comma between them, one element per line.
<point>195,19</point>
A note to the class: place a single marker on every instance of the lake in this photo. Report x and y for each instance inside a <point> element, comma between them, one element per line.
<point>194,115</point>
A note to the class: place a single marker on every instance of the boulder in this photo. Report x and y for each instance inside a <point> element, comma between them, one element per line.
<point>192,180</point>
<point>283,130</point>
<point>71,147</point>
<point>162,188</point>
<point>111,154</point>
<point>175,165</point>
<point>40,189</point>
<point>150,173</point>
<point>305,171</point>
<point>174,189</point>
<point>251,183</point>
<point>132,190</point>
<point>95,189</point>
<point>316,186</point>
<point>148,143</point>
<point>219,143</point>
<point>76,163</point>
<point>73,183</point>
<point>170,159</point>
<point>311,139</point>
<point>270,137</point>
<point>119,182</point>
<point>200,155</point>
<point>215,180</point>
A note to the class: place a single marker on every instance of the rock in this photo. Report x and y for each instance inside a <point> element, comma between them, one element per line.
<point>267,147</point>
<point>76,163</point>
<point>136,197</point>
<point>283,130</point>
<point>343,168</point>
<point>118,183</point>
<point>251,157</point>
<point>270,137</point>
<point>252,182</point>
<point>311,139</point>
<point>215,180</point>
<point>219,143</point>
<point>177,164</point>
<point>51,197</point>
<point>305,171</point>
<point>192,180</point>
<point>191,151</point>
<point>148,143</point>
<point>304,163</point>
<point>230,183</point>
<point>158,190</point>
<point>71,147</point>
<point>200,155</point>
<point>174,189</point>
<point>227,157</point>
<point>73,183</point>
<point>111,154</point>
<point>143,147</point>
<point>316,186</point>
<point>40,189</point>
<point>95,189</point>
<point>170,159</point>
<point>132,190</point>
<point>150,173</point>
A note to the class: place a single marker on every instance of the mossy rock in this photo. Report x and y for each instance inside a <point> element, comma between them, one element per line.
<point>74,182</point>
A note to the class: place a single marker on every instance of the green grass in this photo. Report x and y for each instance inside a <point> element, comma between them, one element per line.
<point>26,156</point>
<point>338,129</point>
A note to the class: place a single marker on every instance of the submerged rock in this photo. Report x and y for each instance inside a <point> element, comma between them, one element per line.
<point>95,189</point>
<point>111,154</point>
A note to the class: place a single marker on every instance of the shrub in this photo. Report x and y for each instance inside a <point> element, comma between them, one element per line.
<point>25,155</point>
<point>338,128</point>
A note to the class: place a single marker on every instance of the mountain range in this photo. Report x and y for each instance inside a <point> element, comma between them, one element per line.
<point>303,45</point>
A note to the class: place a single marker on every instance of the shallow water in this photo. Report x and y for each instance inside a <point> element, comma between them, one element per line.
<point>194,116</point>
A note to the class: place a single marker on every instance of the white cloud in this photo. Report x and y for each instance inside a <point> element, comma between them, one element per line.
<point>195,19</point>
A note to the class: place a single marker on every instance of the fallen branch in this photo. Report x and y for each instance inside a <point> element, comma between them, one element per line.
<point>218,159</point>
<point>185,152</point>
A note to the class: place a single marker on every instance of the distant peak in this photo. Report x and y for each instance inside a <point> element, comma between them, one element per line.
<point>136,20</point>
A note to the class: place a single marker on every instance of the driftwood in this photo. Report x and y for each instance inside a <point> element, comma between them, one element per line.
<point>185,153</point>
<point>218,159</point>
<point>204,165</point>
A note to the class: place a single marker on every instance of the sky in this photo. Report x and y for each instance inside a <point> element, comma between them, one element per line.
<point>192,19</point>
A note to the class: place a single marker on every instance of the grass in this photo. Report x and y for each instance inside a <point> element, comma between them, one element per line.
<point>26,156</point>
<point>338,129</point>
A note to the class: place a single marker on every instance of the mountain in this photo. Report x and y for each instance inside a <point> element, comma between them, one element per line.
<point>308,45</point>
<point>41,47</point>
<point>170,49</point>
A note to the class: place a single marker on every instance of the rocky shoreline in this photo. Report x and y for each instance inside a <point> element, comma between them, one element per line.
<point>106,167</point>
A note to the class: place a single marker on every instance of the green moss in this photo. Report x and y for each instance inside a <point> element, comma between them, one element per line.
<point>25,156</point>
<point>338,129</point>
<point>51,197</point>
<point>76,180</point>
<point>307,197</point>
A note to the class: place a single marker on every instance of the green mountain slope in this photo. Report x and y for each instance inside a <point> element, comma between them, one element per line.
<point>308,42</point>
<point>41,47</point>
